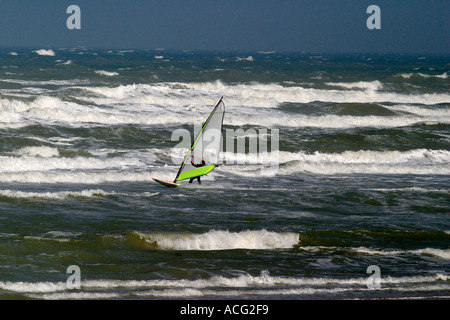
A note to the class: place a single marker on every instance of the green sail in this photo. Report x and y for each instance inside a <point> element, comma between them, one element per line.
<point>196,172</point>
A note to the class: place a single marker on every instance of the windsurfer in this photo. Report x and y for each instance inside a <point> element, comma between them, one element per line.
<point>197,165</point>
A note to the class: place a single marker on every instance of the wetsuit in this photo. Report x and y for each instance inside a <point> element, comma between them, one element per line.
<point>197,165</point>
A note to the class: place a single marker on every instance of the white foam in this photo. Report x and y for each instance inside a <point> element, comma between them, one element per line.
<point>44,52</point>
<point>54,110</point>
<point>221,240</point>
<point>107,73</point>
<point>68,62</point>
<point>417,161</point>
<point>238,292</point>
<point>85,177</point>
<point>253,94</point>
<point>55,195</point>
<point>330,169</point>
<point>179,103</point>
<point>423,75</point>
<point>45,165</point>
<point>242,281</point>
<point>61,140</point>
<point>439,253</point>
<point>76,296</point>
<point>418,156</point>
<point>49,162</point>
<point>43,152</point>
<point>249,58</point>
<point>37,287</point>
<point>275,94</point>
<point>71,82</point>
<point>365,85</point>
<point>409,189</point>
<point>330,121</point>
<point>423,111</point>
<point>242,285</point>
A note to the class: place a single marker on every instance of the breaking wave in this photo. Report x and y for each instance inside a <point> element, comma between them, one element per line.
<point>222,286</point>
<point>418,161</point>
<point>46,165</point>
<point>158,111</point>
<point>364,85</point>
<point>254,94</point>
<point>216,240</point>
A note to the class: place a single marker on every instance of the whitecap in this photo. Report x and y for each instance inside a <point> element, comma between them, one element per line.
<point>44,52</point>
<point>221,240</point>
<point>107,73</point>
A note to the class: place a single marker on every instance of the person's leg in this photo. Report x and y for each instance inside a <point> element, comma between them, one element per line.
<point>191,179</point>
<point>198,179</point>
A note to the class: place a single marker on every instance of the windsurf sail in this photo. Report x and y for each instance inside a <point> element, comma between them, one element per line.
<point>203,155</point>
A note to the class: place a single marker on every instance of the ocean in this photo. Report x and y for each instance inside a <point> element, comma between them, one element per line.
<point>350,201</point>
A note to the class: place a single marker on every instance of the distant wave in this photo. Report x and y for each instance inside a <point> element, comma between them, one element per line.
<point>253,94</point>
<point>372,85</point>
<point>162,109</point>
<point>107,73</point>
<point>53,109</point>
<point>249,58</point>
<point>47,82</point>
<point>44,52</point>
<point>68,62</point>
<point>440,253</point>
<point>423,75</point>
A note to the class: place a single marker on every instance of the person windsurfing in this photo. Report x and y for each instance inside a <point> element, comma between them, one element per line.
<point>197,165</point>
